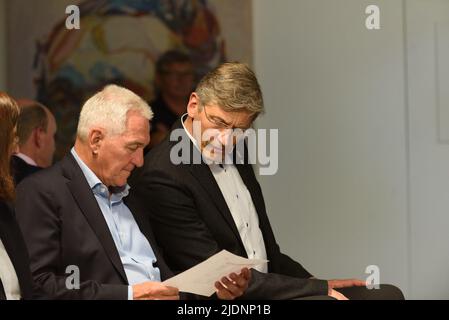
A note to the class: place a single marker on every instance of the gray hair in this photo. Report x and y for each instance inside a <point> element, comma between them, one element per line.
<point>108,109</point>
<point>232,86</point>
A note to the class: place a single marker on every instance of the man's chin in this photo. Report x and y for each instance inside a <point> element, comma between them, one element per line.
<point>120,182</point>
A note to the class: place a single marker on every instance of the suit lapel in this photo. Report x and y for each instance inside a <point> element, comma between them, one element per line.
<point>202,173</point>
<point>85,199</point>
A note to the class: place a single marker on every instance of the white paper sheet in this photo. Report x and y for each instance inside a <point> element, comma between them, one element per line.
<point>201,278</point>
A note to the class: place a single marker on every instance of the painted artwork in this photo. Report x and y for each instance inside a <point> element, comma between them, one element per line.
<point>119,42</point>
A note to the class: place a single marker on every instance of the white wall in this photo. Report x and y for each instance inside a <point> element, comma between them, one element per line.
<point>2,46</point>
<point>364,137</point>
<point>336,92</point>
<point>428,83</point>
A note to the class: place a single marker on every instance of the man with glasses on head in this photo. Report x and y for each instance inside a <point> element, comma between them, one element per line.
<point>204,204</point>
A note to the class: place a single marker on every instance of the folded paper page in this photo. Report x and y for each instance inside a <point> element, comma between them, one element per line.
<point>201,278</point>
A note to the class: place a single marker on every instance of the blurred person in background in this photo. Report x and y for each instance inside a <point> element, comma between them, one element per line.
<point>174,82</point>
<point>36,129</point>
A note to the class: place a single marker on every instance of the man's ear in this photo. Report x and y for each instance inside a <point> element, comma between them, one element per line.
<point>193,105</point>
<point>95,139</point>
<point>38,137</point>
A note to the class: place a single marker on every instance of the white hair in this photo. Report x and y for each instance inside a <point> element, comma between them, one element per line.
<point>108,109</point>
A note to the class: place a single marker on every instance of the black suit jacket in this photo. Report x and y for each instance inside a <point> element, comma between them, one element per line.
<point>21,169</point>
<point>192,221</point>
<point>63,225</point>
<point>12,239</point>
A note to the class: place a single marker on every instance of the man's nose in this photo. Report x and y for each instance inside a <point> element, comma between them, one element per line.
<point>138,158</point>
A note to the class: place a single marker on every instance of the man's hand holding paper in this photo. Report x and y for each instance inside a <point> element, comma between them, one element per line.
<point>231,271</point>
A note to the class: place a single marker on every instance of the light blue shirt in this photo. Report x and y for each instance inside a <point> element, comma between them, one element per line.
<point>135,251</point>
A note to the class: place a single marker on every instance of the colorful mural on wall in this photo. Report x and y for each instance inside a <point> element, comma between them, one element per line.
<point>119,42</point>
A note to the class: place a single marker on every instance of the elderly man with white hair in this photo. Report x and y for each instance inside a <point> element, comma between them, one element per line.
<point>84,241</point>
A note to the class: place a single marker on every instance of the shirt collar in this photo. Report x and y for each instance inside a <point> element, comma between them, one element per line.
<point>95,183</point>
<point>27,159</point>
<point>195,143</point>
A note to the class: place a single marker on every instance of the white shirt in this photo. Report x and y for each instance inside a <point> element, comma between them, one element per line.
<point>27,159</point>
<point>240,204</point>
<point>8,275</point>
<point>243,212</point>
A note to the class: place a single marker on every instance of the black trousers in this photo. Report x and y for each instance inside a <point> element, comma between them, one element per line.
<point>385,292</point>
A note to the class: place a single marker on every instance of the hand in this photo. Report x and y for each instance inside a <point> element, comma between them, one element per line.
<point>154,291</point>
<point>234,285</point>
<point>345,283</point>
<point>337,295</point>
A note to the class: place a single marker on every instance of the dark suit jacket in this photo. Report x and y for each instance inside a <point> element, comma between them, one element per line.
<point>63,225</point>
<point>12,239</point>
<point>191,220</point>
<point>21,169</point>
